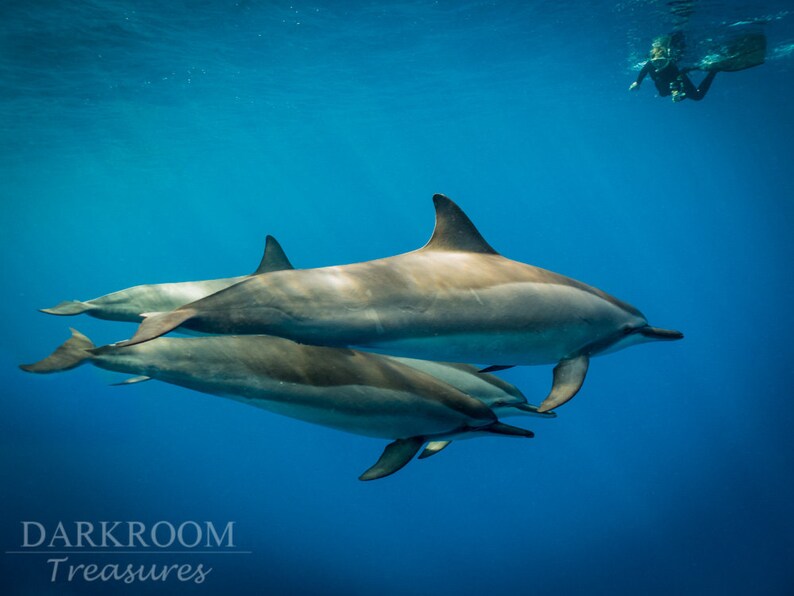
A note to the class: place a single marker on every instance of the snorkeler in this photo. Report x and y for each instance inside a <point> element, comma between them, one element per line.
<point>736,53</point>
<point>668,78</point>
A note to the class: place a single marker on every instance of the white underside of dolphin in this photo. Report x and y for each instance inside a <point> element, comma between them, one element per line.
<point>455,299</point>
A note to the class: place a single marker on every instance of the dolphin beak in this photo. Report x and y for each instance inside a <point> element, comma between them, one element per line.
<point>658,333</point>
<point>526,408</point>
<point>530,409</point>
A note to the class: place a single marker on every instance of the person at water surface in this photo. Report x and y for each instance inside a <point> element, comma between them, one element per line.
<point>668,78</point>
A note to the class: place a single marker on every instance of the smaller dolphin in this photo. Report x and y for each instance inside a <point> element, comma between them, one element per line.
<point>130,304</point>
<point>505,399</point>
<point>353,391</point>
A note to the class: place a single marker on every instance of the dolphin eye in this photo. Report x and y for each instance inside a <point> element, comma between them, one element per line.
<point>627,329</point>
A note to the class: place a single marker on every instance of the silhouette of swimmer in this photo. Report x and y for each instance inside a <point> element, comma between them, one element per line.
<point>668,78</point>
<point>737,53</point>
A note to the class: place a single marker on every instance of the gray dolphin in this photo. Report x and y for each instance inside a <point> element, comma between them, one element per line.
<point>357,392</point>
<point>130,304</point>
<point>455,299</point>
<point>505,399</point>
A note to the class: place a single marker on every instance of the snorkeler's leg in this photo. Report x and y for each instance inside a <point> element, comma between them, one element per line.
<point>705,84</point>
<point>697,93</point>
<point>688,87</point>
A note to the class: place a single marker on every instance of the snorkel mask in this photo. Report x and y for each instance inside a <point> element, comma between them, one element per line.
<point>660,56</point>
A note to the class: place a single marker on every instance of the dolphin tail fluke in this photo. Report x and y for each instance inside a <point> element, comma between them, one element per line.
<point>68,308</point>
<point>394,457</point>
<point>433,447</point>
<point>568,378</point>
<point>69,355</point>
<point>157,324</point>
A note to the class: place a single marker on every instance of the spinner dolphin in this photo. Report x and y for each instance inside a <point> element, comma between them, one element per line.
<point>505,399</point>
<point>129,304</point>
<point>353,391</point>
<point>455,299</point>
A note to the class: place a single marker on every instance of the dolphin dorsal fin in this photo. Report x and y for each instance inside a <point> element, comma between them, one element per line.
<point>274,258</point>
<point>454,230</point>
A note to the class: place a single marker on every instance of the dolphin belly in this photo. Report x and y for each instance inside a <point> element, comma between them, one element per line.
<point>522,323</point>
<point>384,414</point>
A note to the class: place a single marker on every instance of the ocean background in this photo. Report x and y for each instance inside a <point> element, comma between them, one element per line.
<point>147,142</point>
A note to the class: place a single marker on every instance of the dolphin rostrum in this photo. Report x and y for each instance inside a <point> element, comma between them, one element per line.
<point>455,299</point>
<point>130,304</point>
<point>357,392</point>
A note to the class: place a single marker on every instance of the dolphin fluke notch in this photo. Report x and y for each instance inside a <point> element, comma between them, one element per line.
<point>68,308</point>
<point>568,378</point>
<point>274,258</point>
<point>454,230</point>
<point>157,324</point>
<point>67,356</point>
<point>394,457</point>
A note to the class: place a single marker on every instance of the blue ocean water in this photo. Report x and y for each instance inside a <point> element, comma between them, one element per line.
<point>155,142</point>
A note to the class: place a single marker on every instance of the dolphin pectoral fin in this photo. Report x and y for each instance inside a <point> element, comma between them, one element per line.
<point>133,380</point>
<point>157,324</point>
<point>274,258</point>
<point>568,378</point>
<point>433,447</point>
<point>68,308</point>
<point>394,457</point>
<point>72,353</point>
<point>494,368</point>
